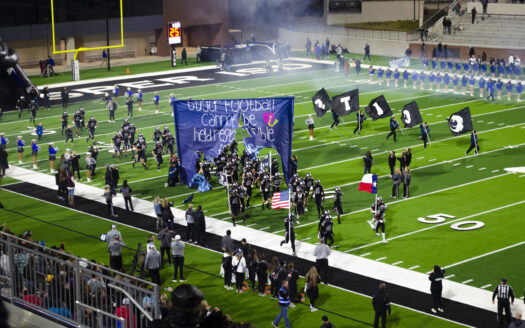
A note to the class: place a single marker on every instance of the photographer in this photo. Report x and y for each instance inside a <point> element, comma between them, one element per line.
<point>436,288</point>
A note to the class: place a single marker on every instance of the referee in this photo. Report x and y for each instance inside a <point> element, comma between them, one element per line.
<point>504,292</point>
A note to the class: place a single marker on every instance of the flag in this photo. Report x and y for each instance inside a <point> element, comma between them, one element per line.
<point>368,183</point>
<point>378,108</point>
<point>222,179</point>
<point>346,103</point>
<point>460,122</point>
<point>281,199</point>
<point>188,200</point>
<point>199,181</point>
<point>265,162</point>
<point>322,102</point>
<point>402,61</point>
<point>410,115</point>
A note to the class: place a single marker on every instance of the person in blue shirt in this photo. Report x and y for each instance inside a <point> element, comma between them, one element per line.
<point>475,68</point>
<point>471,82</point>
<point>425,64</point>
<point>438,81</point>
<point>388,76</point>
<point>431,80</point>
<point>517,72</point>
<point>405,78</point>
<point>115,92</point>
<point>501,70</point>
<point>39,130</point>
<point>446,81</point>
<point>481,84</point>
<point>129,93</point>
<point>508,87</point>
<point>499,86</point>
<point>20,149</point>
<point>473,143</point>
<point>493,69</point>
<point>422,77</point>
<point>34,151</point>
<point>360,119</point>
<point>396,78</point>
<point>284,303</point>
<point>450,66</point>
<point>3,141</point>
<point>464,81</point>
<point>455,81</point>
<point>458,67</point>
<point>414,78</point>
<point>490,90</point>
<point>442,65</point>
<point>104,58</point>
<point>519,89</point>
<point>425,133</point>
<point>52,157</point>
<point>393,126</point>
<point>483,68</point>
<point>156,100</point>
<point>172,103</point>
<point>371,72</point>
<point>508,70</point>
<point>380,76</point>
<point>466,67</point>
<point>139,99</point>
<point>434,63</point>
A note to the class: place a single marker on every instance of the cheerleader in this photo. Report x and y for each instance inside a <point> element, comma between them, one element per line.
<point>508,86</point>
<point>34,151</point>
<point>156,100</point>
<point>310,123</point>
<point>139,99</point>
<point>20,149</point>
<point>52,157</point>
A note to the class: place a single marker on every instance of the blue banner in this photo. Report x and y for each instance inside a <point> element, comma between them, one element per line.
<point>208,125</point>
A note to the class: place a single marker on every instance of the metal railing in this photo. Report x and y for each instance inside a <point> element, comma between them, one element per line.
<point>451,14</point>
<point>82,293</point>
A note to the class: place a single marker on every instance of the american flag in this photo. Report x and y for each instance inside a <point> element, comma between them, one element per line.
<point>281,200</point>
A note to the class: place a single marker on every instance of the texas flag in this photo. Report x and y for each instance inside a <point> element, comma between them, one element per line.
<point>368,183</point>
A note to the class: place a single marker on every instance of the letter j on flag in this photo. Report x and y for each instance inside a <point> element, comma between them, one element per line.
<point>368,183</point>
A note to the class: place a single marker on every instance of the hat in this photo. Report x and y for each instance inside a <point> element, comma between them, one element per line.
<point>186,296</point>
<point>177,237</point>
<point>125,301</point>
<point>238,251</point>
<point>113,226</point>
<point>324,318</point>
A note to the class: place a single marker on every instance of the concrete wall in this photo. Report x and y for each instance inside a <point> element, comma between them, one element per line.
<point>498,8</point>
<point>463,51</point>
<point>383,43</point>
<point>378,11</point>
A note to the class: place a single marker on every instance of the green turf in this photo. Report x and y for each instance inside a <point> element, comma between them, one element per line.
<point>400,25</point>
<point>80,233</point>
<point>443,179</point>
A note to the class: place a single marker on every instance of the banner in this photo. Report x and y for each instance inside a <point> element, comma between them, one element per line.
<point>460,122</point>
<point>378,108</point>
<point>410,115</point>
<point>322,102</point>
<point>346,103</point>
<point>400,62</point>
<point>208,125</point>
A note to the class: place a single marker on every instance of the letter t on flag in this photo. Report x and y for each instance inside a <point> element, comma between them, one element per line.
<point>368,183</point>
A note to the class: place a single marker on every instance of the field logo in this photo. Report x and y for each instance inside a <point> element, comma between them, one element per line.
<point>456,123</point>
<point>406,117</point>
<point>269,118</point>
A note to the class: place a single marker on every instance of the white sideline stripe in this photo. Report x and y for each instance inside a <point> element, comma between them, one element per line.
<point>381,258</point>
<point>432,160</point>
<point>467,281</point>
<point>441,224</point>
<point>456,164</point>
<point>420,157</point>
<point>450,276</point>
<point>398,262</point>
<point>307,238</point>
<point>486,286</point>
<point>414,267</point>
<point>469,166</point>
<point>251,224</point>
<point>482,168</point>
<point>494,171</point>
<point>147,197</point>
<point>483,255</point>
<point>365,254</point>
<point>265,228</point>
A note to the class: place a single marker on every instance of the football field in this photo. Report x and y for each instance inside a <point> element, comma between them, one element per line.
<point>447,189</point>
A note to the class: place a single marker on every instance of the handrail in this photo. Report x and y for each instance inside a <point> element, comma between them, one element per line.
<point>137,305</point>
<point>89,307</point>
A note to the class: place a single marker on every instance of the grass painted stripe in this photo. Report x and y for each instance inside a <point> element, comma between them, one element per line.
<point>467,281</point>
<point>414,267</point>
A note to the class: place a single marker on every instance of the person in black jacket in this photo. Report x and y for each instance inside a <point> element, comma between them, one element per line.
<point>200,225</point>
<point>381,304</point>
<point>392,162</point>
<point>262,274</point>
<point>402,161</point>
<point>292,278</point>
<point>228,269</point>
<point>407,178</point>
<point>360,119</point>
<point>75,165</point>
<point>368,162</point>
<point>64,94</point>
<point>289,234</point>
<point>408,156</point>
<point>436,288</point>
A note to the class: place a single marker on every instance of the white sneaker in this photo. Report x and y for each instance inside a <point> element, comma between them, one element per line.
<point>385,241</point>
<point>433,310</point>
<point>313,309</point>
<point>20,162</point>
<point>311,138</point>
<point>175,280</point>
<point>441,310</point>
<point>35,167</point>
<point>88,180</point>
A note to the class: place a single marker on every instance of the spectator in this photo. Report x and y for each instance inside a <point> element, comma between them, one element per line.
<point>4,164</point>
<point>109,201</point>
<point>198,52</point>
<point>326,323</point>
<point>126,193</point>
<point>190,223</point>
<point>70,188</point>
<point>123,311</point>
<point>152,263</point>
<point>311,287</point>
<point>177,251</point>
<point>239,266</point>
<point>157,207</point>
<point>115,253</point>
<point>226,242</point>
<point>184,57</point>
<point>200,225</point>
<point>473,13</point>
<point>165,243</point>
<point>104,58</point>
<point>321,253</point>
<point>517,323</point>
<point>227,268</point>
<point>167,215</point>
<point>113,232</point>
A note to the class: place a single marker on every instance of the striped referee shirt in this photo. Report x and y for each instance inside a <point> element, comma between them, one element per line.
<point>503,292</point>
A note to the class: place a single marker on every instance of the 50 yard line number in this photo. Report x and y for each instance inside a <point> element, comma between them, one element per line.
<point>458,226</point>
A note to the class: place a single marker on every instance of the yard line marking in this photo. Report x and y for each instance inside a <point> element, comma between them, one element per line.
<point>456,164</point>
<point>486,286</point>
<point>450,276</point>
<point>398,262</point>
<point>365,254</point>
<point>147,197</point>
<point>264,228</point>
<point>490,122</point>
<point>381,258</point>
<point>482,168</point>
<point>303,137</point>
<point>469,166</point>
<point>420,157</point>
<point>365,147</point>
<point>414,267</point>
<point>467,281</point>
<point>521,176</point>
<point>305,239</point>
<point>480,121</point>
<point>486,254</point>
<point>439,115</point>
<point>441,224</point>
<point>432,160</point>
<point>251,224</point>
<point>494,171</point>
<point>430,114</point>
<point>136,195</point>
<point>501,124</point>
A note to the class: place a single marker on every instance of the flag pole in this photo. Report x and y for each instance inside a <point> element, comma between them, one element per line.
<point>475,143</point>
<point>428,135</point>
<point>400,128</point>
<point>270,161</point>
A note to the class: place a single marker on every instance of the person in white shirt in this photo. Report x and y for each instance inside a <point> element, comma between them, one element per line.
<point>239,267</point>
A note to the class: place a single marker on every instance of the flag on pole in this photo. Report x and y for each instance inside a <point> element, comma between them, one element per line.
<point>346,103</point>
<point>378,108</point>
<point>322,102</point>
<point>281,199</point>
<point>368,183</point>
<point>266,162</point>
<point>411,115</point>
<point>222,179</point>
<point>460,122</point>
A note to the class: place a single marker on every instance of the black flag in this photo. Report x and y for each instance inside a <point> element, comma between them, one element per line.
<point>460,122</point>
<point>378,108</point>
<point>322,102</point>
<point>346,103</point>
<point>410,115</point>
